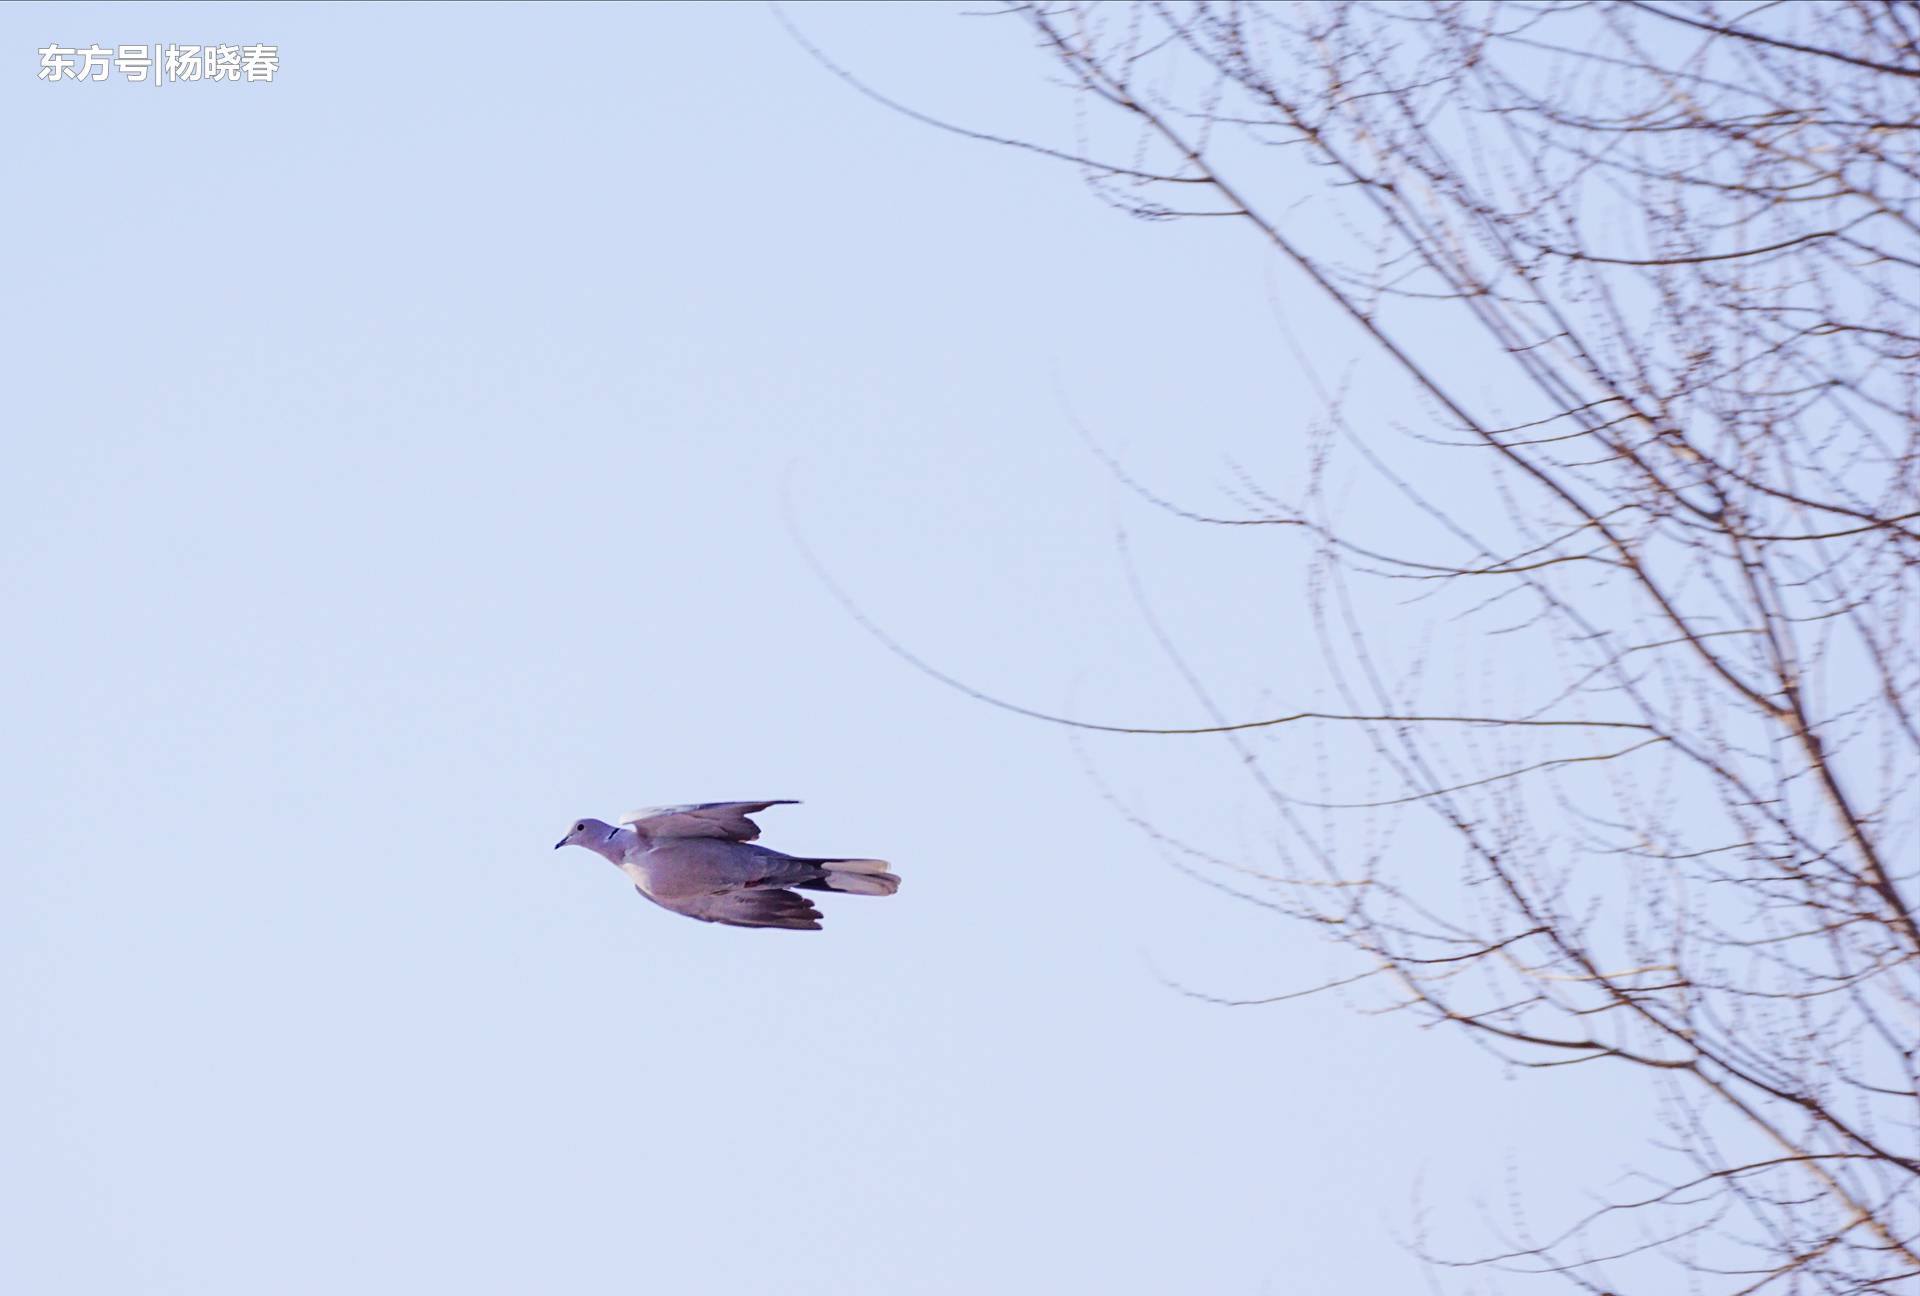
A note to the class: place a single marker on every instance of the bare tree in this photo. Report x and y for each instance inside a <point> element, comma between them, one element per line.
<point>1686,237</point>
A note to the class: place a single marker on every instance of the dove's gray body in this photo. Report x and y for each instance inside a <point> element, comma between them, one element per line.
<point>700,861</point>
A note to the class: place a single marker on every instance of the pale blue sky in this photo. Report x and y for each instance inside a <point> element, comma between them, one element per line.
<point>393,475</point>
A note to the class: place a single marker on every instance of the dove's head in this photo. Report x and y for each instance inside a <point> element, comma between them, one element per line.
<point>590,833</point>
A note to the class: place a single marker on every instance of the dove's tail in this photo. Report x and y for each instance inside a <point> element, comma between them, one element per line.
<point>852,877</point>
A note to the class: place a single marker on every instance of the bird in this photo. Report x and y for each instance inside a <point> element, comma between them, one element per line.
<point>699,860</point>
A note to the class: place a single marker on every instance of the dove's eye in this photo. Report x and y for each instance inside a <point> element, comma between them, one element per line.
<point>579,827</point>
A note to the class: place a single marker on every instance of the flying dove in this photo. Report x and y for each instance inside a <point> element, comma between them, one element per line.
<point>699,860</point>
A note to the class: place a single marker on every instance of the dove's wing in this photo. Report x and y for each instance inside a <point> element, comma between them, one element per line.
<point>726,819</point>
<point>770,907</point>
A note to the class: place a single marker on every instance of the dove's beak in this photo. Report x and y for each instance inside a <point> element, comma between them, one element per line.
<point>562,842</point>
